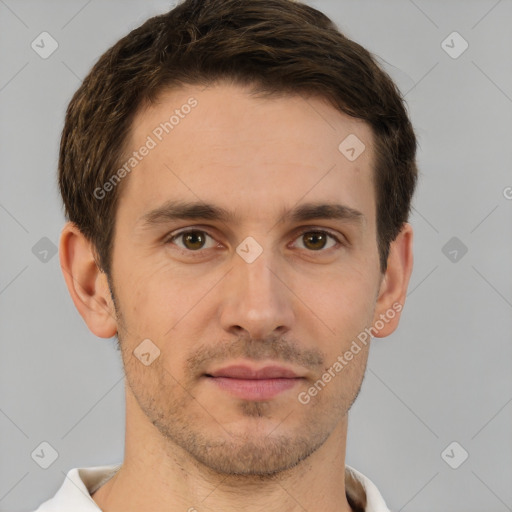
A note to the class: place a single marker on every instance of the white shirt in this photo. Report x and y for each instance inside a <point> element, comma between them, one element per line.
<point>74,495</point>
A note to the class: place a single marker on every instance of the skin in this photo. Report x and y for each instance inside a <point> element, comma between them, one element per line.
<point>189,444</point>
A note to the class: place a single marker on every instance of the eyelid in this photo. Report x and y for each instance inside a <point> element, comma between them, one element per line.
<point>176,234</point>
<point>339,238</point>
<point>300,231</point>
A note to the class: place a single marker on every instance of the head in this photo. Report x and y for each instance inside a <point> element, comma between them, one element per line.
<point>214,210</point>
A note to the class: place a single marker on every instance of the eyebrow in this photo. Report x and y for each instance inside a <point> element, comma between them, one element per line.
<point>180,210</point>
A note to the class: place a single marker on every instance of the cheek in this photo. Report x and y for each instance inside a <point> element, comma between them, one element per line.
<point>152,299</point>
<point>169,309</point>
<point>337,387</point>
<point>345,302</point>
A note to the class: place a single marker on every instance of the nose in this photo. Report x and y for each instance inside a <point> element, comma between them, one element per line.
<point>256,299</point>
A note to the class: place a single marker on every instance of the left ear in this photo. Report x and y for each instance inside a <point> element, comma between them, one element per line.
<point>393,288</point>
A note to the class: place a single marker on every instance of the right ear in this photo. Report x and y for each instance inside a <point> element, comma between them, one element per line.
<point>87,284</point>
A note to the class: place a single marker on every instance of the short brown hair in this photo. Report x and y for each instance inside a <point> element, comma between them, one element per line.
<point>276,46</point>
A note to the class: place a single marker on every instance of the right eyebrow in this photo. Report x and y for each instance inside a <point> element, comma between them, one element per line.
<point>182,210</point>
<point>176,210</point>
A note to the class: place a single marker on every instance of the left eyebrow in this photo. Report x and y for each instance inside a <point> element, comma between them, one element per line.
<point>319,211</point>
<point>180,210</point>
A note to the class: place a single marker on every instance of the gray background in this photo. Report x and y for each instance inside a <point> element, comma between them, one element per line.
<point>443,376</point>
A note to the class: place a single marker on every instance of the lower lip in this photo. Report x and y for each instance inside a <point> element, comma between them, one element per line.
<point>254,389</point>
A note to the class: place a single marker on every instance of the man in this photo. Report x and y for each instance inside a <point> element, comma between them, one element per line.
<point>237,177</point>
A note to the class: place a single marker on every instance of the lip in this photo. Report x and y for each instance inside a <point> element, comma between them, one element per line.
<point>246,372</point>
<point>257,384</point>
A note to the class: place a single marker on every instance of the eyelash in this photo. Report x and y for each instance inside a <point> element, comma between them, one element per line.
<point>175,235</point>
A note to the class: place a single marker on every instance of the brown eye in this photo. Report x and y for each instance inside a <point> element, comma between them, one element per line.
<point>193,240</point>
<point>317,240</point>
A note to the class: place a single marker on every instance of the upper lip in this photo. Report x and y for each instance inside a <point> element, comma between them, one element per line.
<point>246,372</point>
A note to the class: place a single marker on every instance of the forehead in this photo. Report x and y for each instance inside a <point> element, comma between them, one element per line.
<point>223,145</point>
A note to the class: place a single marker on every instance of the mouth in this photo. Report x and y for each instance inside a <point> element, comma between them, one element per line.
<point>256,384</point>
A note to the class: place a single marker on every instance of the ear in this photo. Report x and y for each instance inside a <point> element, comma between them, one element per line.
<point>393,288</point>
<point>87,284</point>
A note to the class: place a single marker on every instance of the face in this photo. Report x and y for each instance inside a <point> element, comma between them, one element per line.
<point>246,252</point>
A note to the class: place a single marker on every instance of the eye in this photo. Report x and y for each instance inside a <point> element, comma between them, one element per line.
<point>195,240</point>
<point>317,240</point>
<point>192,240</point>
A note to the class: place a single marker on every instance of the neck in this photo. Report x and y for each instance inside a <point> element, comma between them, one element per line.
<point>156,474</point>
